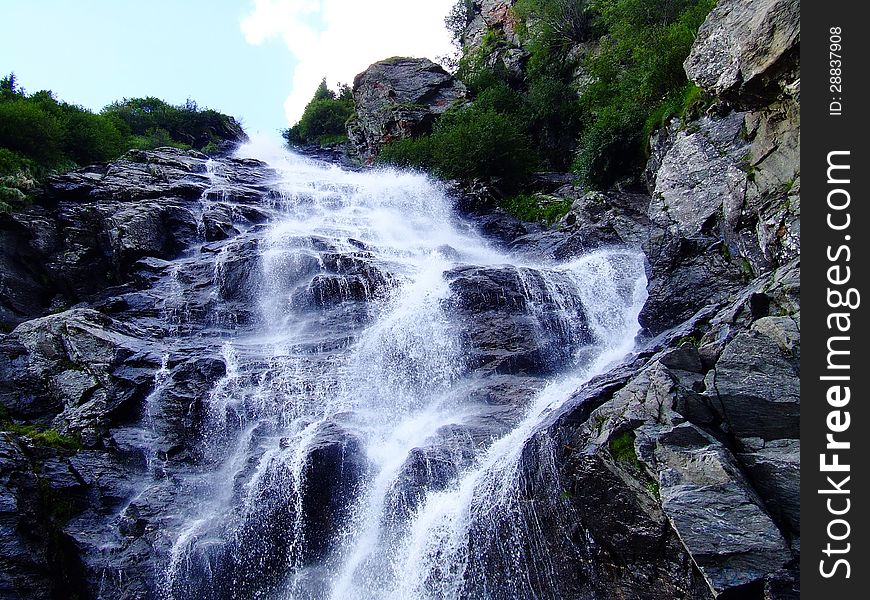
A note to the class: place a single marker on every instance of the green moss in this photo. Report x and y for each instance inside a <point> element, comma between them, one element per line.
<point>41,436</point>
<point>654,489</point>
<point>54,439</point>
<point>332,140</point>
<point>693,339</point>
<point>683,103</point>
<point>622,448</point>
<point>540,209</point>
<point>600,420</point>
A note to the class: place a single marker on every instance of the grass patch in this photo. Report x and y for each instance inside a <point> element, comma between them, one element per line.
<point>622,449</point>
<point>539,209</point>
<point>39,435</point>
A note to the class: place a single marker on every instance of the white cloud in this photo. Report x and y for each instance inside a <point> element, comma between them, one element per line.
<point>337,39</point>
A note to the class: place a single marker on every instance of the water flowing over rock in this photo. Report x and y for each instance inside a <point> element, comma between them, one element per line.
<point>399,98</point>
<point>280,393</point>
<point>273,378</point>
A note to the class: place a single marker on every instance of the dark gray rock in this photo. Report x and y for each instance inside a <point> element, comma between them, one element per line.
<point>718,517</point>
<point>75,371</point>
<point>755,388</point>
<point>89,228</point>
<point>599,219</point>
<point>745,48</point>
<point>399,98</point>
<point>725,208</point>
<point>513,322</point>
<point>774,471</point>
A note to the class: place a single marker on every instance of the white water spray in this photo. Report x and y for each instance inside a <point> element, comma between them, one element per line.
<point>358,371</point>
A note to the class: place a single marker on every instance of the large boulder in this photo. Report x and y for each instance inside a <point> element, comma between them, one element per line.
<point>747,49</point>
<point>77,371</point>
<point>516,320</point>
<point>400,98</point>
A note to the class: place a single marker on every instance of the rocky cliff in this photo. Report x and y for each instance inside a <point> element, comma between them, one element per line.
<point>79,293</point>
<point>675,474</point>
<point>682,465</point>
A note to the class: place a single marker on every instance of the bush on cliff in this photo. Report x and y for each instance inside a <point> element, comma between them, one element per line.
<point>638,80</point>
<point>468,143</point>
<point>152,122</point>
<point>599,129</point>
<point>323,121</point>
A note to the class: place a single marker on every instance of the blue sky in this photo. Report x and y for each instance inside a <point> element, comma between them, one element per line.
<point>259,60</point>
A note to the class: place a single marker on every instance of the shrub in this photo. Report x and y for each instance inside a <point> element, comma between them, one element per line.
<point>89,138</point>
<point>540,209</point>
<point>324,120</point>
<point>468,143</point>
<point>28,129</point>
<point>162,124</point>
<point>639,81</point>
<point>40,135</point>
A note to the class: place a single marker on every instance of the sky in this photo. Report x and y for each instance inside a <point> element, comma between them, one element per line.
<point>258,60</point>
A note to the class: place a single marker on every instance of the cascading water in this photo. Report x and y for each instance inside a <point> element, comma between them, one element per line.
<point>388,366</point>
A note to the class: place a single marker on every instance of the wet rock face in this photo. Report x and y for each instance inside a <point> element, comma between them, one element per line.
<point>650,441</point>
<point>74,371</point>
<point>399,98</point>
<point>514,322</point>
<point>93,225</point>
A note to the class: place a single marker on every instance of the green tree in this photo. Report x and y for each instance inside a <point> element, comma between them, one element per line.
<point>324,119</point>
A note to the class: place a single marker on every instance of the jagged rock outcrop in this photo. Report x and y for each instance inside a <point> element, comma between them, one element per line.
<point>747,50</point>
<point>94,224</point>
<point>76,372</point>
<point>399,98</point>
<point>489,15</point>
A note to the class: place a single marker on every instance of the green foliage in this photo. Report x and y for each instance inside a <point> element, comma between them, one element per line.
<point>638,81</point>
<point>468,143</point>
<point>541,209</point>
<point>622,449</point>
<point>323,92</point>
<point>457,20</point>
<point>157,123</point>
<point>559,24</point>
<point>38,435</point>
<point>544,104</point>
<point>681,103</point>
<point>40,134</point>
<point>325,117</point>
<point>26,128</point>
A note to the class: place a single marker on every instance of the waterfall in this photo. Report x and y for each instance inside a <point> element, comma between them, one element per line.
<point>383,367</point>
